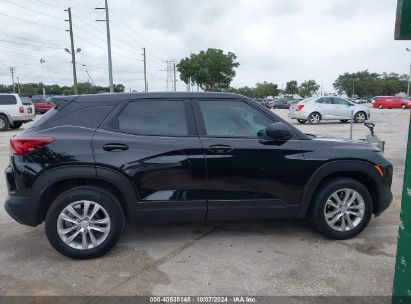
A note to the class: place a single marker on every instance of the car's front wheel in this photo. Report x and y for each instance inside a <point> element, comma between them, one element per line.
<point>380,107</point>
<point>84,222</point>
<point>403,106</point>
<point>342,208</point>
<point>314,118</point>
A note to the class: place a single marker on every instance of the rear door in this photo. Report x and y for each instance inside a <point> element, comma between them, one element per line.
<point>325,107</point>
<point>248,175</point>
<point>8,105</point>
<point>154,143</point>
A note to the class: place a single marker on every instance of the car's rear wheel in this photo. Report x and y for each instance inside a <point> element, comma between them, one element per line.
<point>360,117</point>
<point>4,123</point>
<point>342,208</point>
<point>16,125</point>
<point>314,118</point>
<point>84,222</point>
<point>302,121</point>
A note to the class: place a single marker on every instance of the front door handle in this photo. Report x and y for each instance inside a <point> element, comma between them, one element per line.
<point>115,147</point>
<point>220,149</point>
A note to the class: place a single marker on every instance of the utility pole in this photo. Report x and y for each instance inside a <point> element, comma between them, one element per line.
<point>145,70</point>
<point>73,54</point>
<point>110,64</point>
<point>18,85</point>
<point>175,79</point>
<point>12,70</point>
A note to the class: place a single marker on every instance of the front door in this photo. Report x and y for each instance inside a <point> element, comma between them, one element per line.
<point>154,143</point>
<point>248,175</point>
<point>342,108</point>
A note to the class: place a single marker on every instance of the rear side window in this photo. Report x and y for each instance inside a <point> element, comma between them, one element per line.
<point>154,117</point>
<point>7,100</point>
<point>25,100</point>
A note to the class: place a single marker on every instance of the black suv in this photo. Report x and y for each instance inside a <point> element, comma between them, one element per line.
<point>95,160</point>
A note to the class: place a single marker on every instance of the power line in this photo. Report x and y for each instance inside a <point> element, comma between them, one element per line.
<point>32,10</point>
<point>32,22</point>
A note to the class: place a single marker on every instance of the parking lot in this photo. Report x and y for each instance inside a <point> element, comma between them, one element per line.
<point>278,257</point>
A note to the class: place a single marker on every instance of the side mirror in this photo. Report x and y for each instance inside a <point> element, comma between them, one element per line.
<point>279,130</point>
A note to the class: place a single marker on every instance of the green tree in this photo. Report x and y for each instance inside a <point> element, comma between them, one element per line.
<point>366,84</point>
<point>291,87</point>
<point>212,70</point>
<point>308,88</point>
<point>265,89</point>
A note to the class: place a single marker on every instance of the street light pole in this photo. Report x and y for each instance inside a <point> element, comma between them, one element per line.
<point>353,88</point>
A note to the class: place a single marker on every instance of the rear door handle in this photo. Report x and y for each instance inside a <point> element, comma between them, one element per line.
<point>115,147</point>
<point>220,149</point>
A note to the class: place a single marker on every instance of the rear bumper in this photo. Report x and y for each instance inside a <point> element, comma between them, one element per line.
<point>23,210</point>
<point>23,118</point>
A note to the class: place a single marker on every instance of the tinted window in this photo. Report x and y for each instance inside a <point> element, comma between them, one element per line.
<point>8,100</point>
<point>233,119</point>
<point>154,117</point>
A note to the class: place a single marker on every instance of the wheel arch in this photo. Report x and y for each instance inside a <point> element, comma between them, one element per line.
<point>55,181</point>
<point>361,171</point>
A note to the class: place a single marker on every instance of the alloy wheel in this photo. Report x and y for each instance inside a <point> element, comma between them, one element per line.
<point>2,124</point>
<point>344,210</point>
<point>83,225</point>
<point>315,118</point>
<point>360,117</point>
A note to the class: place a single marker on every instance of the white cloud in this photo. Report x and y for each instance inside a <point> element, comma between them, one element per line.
<point>275,40</point>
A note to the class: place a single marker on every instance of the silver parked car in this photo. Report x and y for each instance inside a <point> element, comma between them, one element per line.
<point>315,109</point>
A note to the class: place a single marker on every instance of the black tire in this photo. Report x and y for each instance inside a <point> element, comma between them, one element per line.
<point>4,123</point>
<point>344,120</point>
<point>319,203</point>
<point>360,117</point>
<point>94,194</point>
<point>404,107</point>
<point>380,107</point>
<point>314,118</point>
<point>302,121</point>
<point>16,125</point>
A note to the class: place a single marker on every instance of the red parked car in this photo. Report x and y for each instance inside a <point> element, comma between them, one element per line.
<point>391,102</point>
<point>41,105</point>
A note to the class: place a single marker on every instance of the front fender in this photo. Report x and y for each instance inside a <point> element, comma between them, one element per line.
<point>343,168</point>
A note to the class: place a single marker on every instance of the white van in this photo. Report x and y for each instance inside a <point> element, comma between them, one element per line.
<point>15,111</point>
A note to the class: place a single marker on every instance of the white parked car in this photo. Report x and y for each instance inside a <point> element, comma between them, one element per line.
<point>15,111</point>
<point>315,109</point>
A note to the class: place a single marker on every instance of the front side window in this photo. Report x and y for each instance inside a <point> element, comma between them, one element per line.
<point>233,119</point>
<point>154,117</point>
<point>340,101</point>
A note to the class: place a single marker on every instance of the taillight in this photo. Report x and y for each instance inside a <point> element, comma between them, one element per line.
<point>23,145</point>
<point>300,107</point>
<point>21,109</point>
